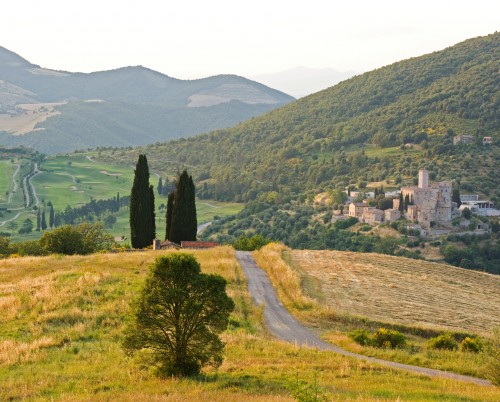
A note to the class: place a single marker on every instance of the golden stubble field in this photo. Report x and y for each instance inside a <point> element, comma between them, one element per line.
<point>62,320</point>
<point>404,291</point>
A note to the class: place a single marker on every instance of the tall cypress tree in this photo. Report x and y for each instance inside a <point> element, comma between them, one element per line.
<point>401,203</point>
<point>168,218</point>
<point>192,221</point>
<point>160,186</point>
<point>152,211</point>
<point>51,214</point>
<point>183,224</point>
<point>142,210</point>
<point>38,220</point>
<point>43,224</point>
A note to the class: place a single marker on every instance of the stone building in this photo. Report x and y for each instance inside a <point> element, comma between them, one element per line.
<point>372,215</point>
<point>392,214</point>
<point>356,209</point>
<point>430,202</point>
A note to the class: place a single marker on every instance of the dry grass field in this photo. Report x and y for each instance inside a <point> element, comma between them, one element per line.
<point>335,293</point>
<point>62,320</point>
<point>404,291</point>
<point>30,115</point>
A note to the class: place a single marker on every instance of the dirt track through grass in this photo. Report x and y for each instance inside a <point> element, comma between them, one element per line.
<point>405,291</point>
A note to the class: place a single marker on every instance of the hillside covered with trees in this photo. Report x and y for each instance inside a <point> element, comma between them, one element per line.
<point>380,126</point>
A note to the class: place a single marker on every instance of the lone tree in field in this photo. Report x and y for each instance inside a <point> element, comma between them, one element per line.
<point>142,207</point>
<point>183,223</point>
<point>178,316</point>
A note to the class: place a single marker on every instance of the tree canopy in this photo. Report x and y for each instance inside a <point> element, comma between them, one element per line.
<point>178,316</point>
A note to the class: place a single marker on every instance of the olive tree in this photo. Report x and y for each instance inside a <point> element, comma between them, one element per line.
<point>178,316</point>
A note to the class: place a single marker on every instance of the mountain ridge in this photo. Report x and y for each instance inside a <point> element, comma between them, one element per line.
<point>22,82</point>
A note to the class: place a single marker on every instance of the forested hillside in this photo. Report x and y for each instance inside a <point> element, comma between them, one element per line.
<point>381,126</point>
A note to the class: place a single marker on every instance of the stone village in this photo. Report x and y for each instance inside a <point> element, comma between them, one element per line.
<point>428,208</point>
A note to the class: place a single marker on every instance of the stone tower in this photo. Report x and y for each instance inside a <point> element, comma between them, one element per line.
<point>423,178</point>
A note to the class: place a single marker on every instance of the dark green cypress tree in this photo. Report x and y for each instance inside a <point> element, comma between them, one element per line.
<point>43,224</point>
<point>407,201</point>
<point>401,203</point>
<point>38,220</point>
<point>192,221</point>
<point>152,210</point>
<point>160,186</point>
<point>168,217</point>
<point>142,211</point>
<point>183,226</point>
<point>117,201</point>
<point>51,214</point>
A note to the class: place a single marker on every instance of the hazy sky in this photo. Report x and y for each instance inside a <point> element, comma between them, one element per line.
<point>197,38</point>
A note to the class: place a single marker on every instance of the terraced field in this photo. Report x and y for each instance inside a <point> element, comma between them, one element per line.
<point>404,291</point>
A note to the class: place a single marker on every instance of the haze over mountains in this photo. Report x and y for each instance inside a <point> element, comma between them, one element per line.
<point>57,111</point>
<point>303,81</point>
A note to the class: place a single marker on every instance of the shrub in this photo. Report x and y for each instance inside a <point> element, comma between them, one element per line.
<point>473,344</point>
<point>444,341</point>
<point>388,338</point>
<point>361,337</point>
<point>246,243</point>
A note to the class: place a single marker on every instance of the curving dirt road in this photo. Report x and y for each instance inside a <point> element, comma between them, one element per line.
<point>284,326</point>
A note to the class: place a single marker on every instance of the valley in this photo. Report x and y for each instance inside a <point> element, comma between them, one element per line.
<point>249,202</point>
<point>75,180</point>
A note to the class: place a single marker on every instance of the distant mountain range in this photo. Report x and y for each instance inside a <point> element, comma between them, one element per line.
<point>302,81</point>
<point>58,111</point>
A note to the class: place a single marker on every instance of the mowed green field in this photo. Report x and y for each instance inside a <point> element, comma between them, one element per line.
<point>5,179</point>
<point>75,180</point>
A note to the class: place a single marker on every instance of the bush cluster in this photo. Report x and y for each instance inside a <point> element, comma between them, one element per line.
<point>383,338</point>
<point>446,341</point>
<point>245,243</point>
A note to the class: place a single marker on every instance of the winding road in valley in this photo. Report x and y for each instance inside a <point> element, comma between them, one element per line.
<point>18,167</point>
<point>283,325</point>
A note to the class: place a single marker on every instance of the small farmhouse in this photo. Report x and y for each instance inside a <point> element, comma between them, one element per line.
<point>373,215</point>
<point>463,139</point>
<point>392,214</point>
<point>356,209</point>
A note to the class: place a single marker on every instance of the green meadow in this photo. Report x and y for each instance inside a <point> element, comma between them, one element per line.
<point>77,179</point>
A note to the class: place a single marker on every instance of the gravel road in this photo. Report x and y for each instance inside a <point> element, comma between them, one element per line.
<point>283,325</point>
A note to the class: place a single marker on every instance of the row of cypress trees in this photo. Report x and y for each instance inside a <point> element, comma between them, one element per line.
<point>181,223</point>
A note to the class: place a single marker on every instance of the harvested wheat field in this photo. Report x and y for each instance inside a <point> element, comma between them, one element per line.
<point>404,291</point>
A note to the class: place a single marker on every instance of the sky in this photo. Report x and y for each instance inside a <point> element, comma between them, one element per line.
<point>191,39</point>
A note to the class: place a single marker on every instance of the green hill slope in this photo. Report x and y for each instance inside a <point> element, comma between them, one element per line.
<point>337,136</point>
